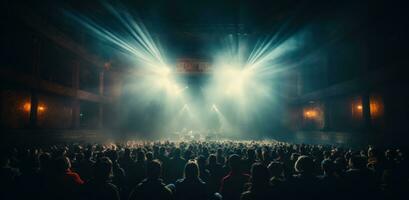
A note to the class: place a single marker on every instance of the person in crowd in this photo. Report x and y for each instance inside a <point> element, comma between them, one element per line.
<point>100,186</point>
<point>232,185</point>
<point>138,170</point>
<point>216,173</point>
<point>119,178</point>
<point>152,188</point>
<point>126,160</point>
<point>9,175</point>
<point>296,170</point>
<point>149,157</point>
<point>276,170</point>
<point>164,159</point>
<point>329,181</point>
<point>248,162</point>
<point>191,186</point>
<point>360,180</point>
<point>304,182</point>
<point>176,164</point>
<point>220,157</point>
<point>204,173</point>
<point>85,164</point>
<point>260,188</point>
<point>67,183</point>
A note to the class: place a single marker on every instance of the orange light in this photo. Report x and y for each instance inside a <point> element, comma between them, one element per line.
<point>27,106</point>
<point>310,114</point>
<point>359,107</point>
<point>41,108</point>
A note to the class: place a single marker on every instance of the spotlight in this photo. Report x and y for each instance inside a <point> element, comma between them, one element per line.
<point>237,80</point>
<point>214,108</point>
<point>164,71</point>
<point>185,107</point>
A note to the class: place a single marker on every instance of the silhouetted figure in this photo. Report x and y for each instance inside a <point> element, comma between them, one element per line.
<point>220,157</point>
<point>85,164</point>
<point>100,187</point>
<point>232,185</point>
<point>67,183</point>
<point>47,175</point>
<point>203,172</point>
<point>360,181</point>
<point>8,180</point>
<point>119,178</point>
<point>260,188</point>
<point>164,159</point>
<point>249,161</point>
<point>28,181</point>
<point>329,181</point>
<point>126,160</point>
<point>191,186</point>
<point>137,172</point>
<point>176,164</point>
<point>152,188</point>
<point>305,182</point>
<point>149,157</point>
<point>216,173</point>
<point>276,170</point>
<point>327,171</point>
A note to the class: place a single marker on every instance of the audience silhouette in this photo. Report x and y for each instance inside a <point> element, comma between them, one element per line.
<point>199,170</point>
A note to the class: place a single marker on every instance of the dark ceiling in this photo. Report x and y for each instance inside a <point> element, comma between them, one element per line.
<point>186,26</point>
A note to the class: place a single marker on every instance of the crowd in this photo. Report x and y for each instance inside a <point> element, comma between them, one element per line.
<point>202,170</point>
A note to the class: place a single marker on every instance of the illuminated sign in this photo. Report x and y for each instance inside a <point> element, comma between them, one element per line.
<point>193,66</point>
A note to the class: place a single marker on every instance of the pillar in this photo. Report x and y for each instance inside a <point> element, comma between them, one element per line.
<point>34,90</point>
<point>327,115</point>
<point>33,108</point>
<point>366,111</point>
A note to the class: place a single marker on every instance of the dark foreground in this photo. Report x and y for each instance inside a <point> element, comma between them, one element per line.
<point>229,170</point>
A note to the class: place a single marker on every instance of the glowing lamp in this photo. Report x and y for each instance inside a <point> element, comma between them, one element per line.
<point>310,114</point>
<point>41,108</point>
<point>27,106</point>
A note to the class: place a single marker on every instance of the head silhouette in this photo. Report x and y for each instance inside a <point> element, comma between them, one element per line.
<point>259,175</point>
<point>328,166</point>
<point>357,162</point>
<point>62,164</point>
<point>276,169</point>
<point>153,169</point>
<point>103,169</point>
<point>234,163</point>
<point>191,170</point>
<point>304,165</point>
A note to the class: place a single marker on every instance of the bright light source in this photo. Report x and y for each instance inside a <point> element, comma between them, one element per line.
<point>214,108</point>
<point>27,106</point>
<point>164,71</point>
<point>185,107</point>
<point>310,114</point>
<point>359,107</point>
<point>41,108</point>
<point>234,79</point>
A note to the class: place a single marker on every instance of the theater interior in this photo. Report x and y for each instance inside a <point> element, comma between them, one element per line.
<point>333,72</point>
